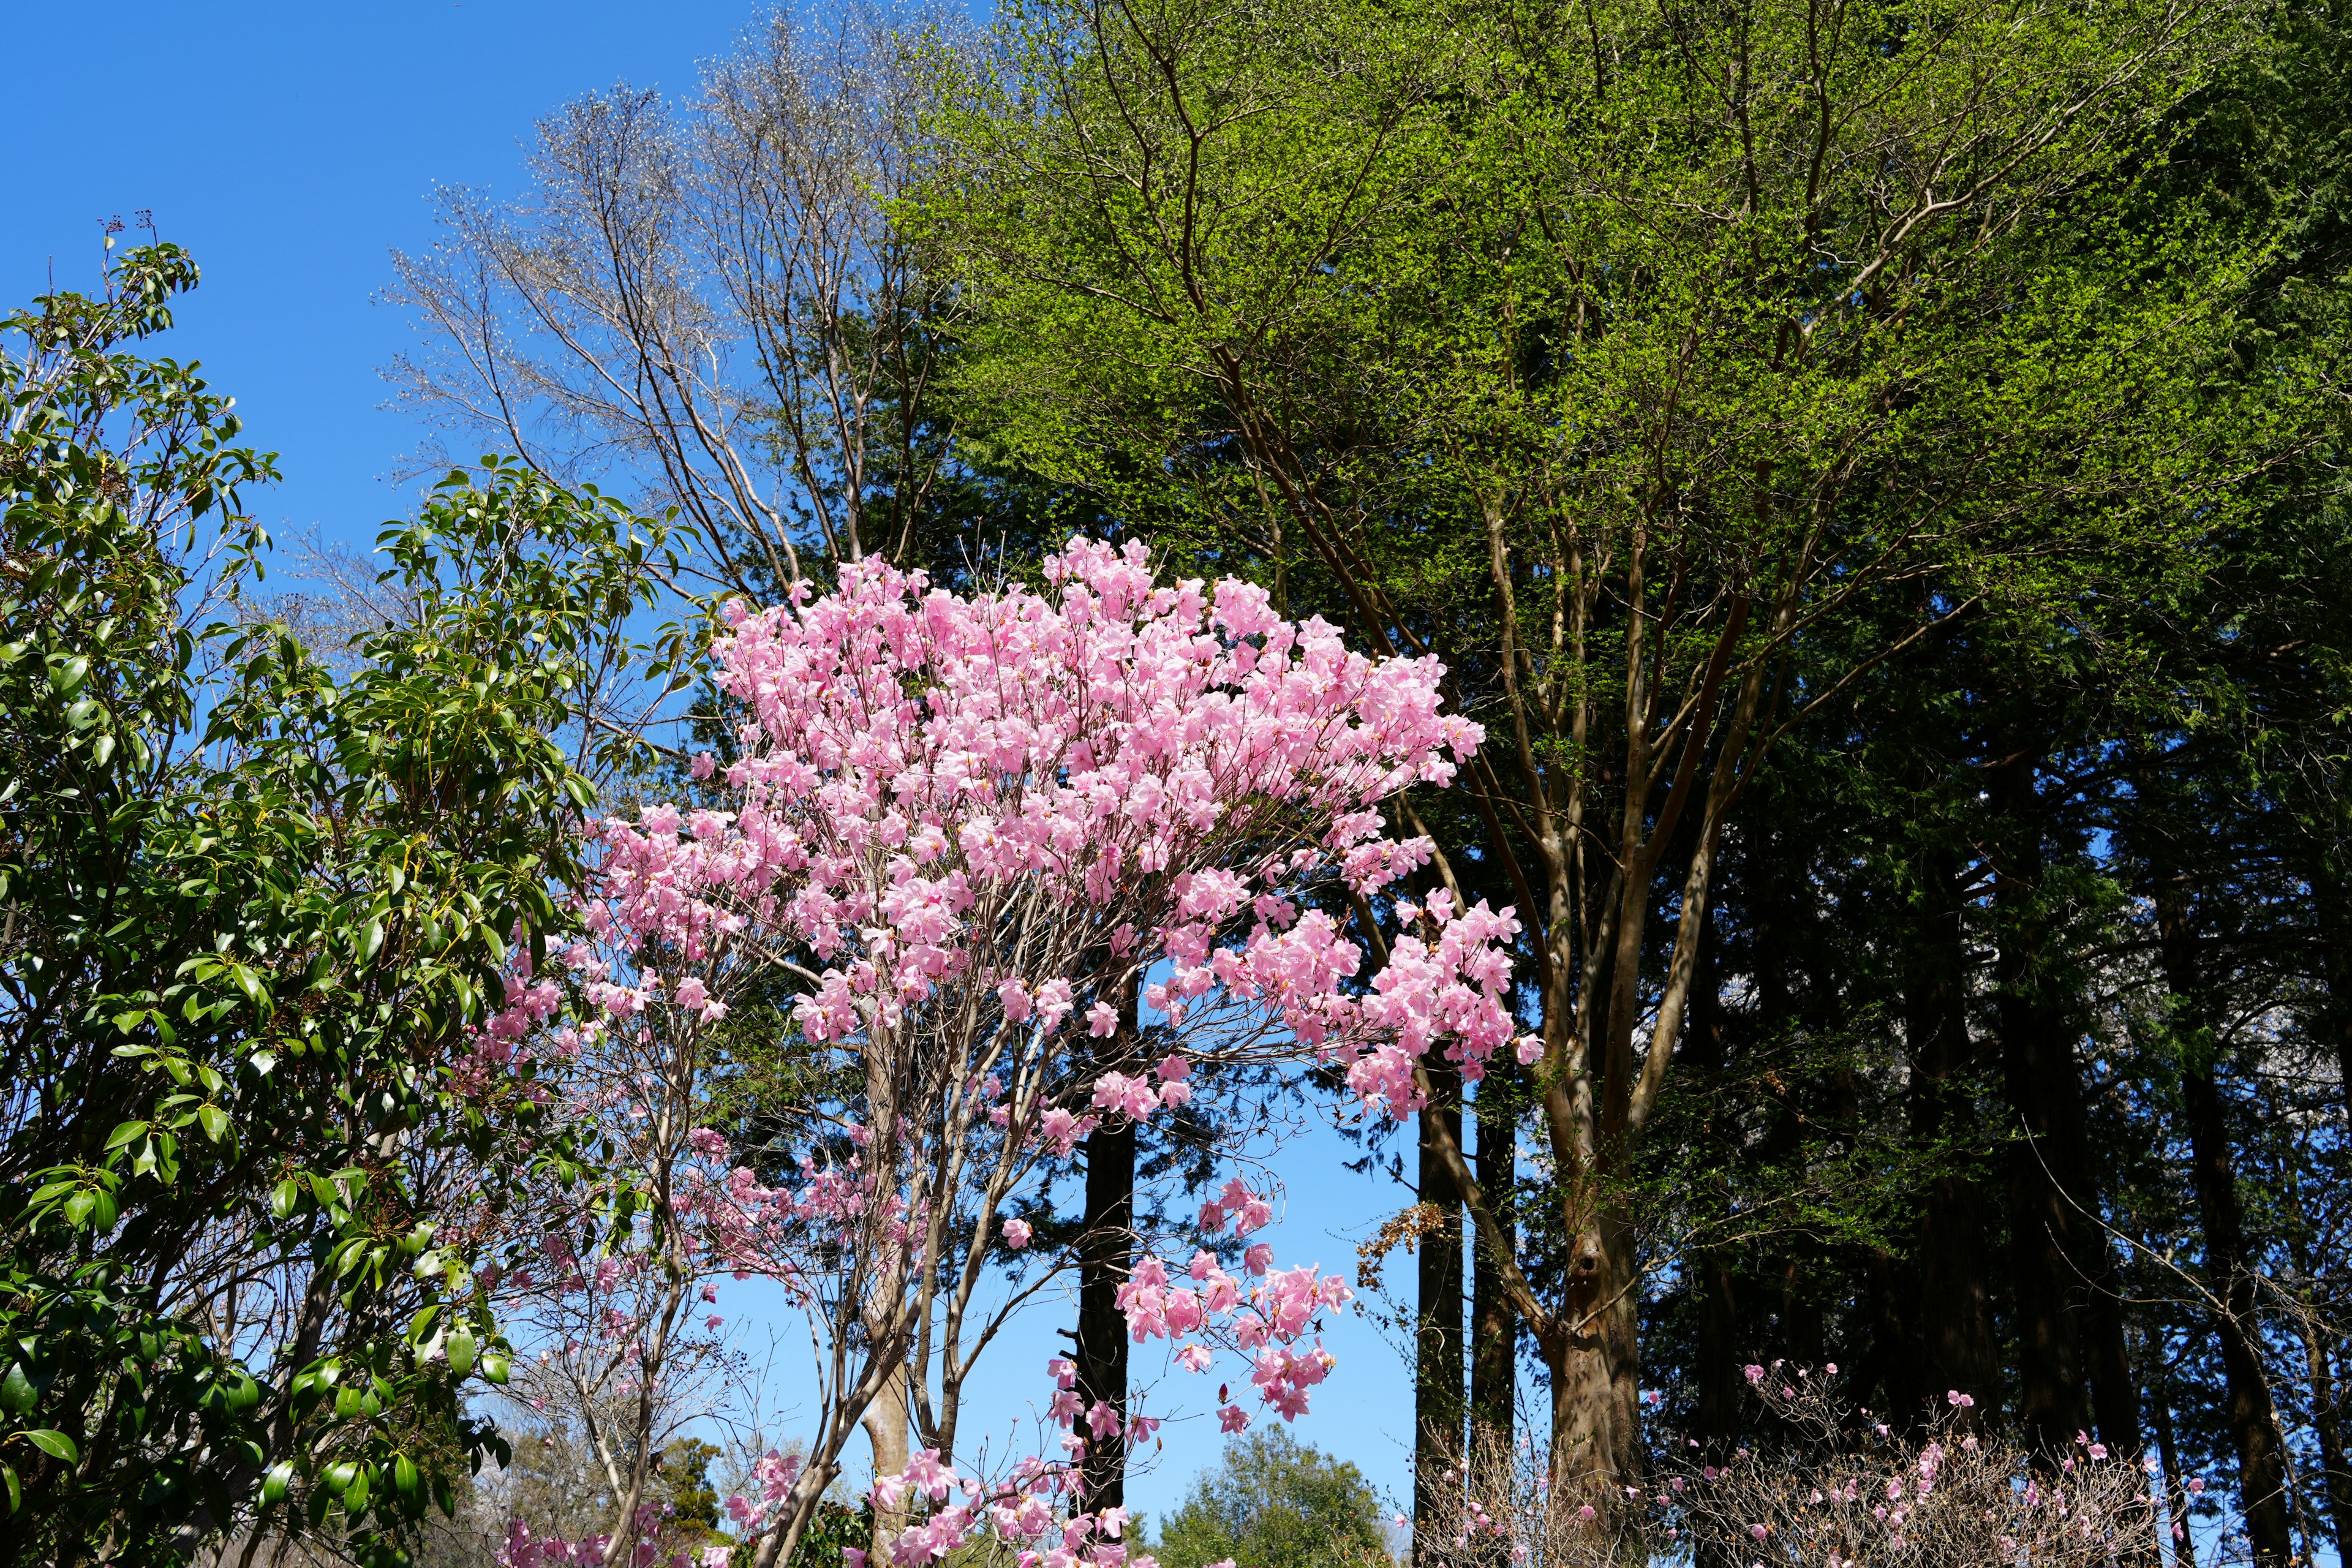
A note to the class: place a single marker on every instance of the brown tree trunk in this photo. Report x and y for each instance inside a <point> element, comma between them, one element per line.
<point>1494,1327</point>
<point>2176,1494</point>
<point>2059,1258</point>
<point>1717,1418</point>
<point>1105,1253</point>
<point>2253,1421</point>
<point>2328,1420</point>
<point>1596,1386</point>
<point>1958,1349</point>
<point>1438,1407</point>
<point>885,1428</point>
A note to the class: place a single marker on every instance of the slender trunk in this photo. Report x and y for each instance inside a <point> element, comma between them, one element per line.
<point>1718,1353</point>
<point>2253,1421</point>
<point>1494,1356</point>
<point>1438,1407</point>
<point>1105,1253</point>
<point>2328,1420</point>
<point>2176,1494</point>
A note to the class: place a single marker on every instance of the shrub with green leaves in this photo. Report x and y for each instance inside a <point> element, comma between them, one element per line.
<point>249,912</point>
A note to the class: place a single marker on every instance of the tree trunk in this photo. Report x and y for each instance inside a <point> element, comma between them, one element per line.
<point>885,1428</point>
<point>1438,1407</point>
<point>1958,1349</point>
<point>2328,1420</point>
<point>1596,1383</point>
<point>1106,1252</point>
<point>1717,1418</point>
<point>1494,1356</point>
<point>2253,1421</point>
<point>2176,1495</point>
<point>2048,1167</point>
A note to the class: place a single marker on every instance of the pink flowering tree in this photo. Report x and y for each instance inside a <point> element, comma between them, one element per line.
<point>1021,864</point>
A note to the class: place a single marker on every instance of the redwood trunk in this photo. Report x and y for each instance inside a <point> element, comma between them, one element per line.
<point>1494,1356</point>
<point>2059,1258</point>
<point>1438,1407</point>
<point>1958,1351</point>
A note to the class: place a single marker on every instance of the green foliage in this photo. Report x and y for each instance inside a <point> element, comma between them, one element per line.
<point>1273,1502</point>
<point>251,913</point>
<point>834,1525</point>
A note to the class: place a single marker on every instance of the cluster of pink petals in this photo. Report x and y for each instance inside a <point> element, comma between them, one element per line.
<point>774,1474</point>
<point>522,1549</point>
<point>1022,1513</point>
<point>1184,779</point>
<point>916,755</point>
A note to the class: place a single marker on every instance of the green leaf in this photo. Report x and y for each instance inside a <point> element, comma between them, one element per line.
<point>284,1197</point>
<point>460,1349</point>
<point>274,1486</point>
<point>53,1443</point>
<point>215,1121</point>
<point>496,1369</point>
<point>17,1394</point>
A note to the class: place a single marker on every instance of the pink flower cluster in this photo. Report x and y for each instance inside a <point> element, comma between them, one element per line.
<point>775,1474</point>
<point>920,759</point>
<point>979,836</point>
<point>1264,1323</point>
<point>522,1549</point>
<point>1022,1513</point>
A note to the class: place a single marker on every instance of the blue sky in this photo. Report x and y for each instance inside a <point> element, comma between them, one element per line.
<point>290,148</point>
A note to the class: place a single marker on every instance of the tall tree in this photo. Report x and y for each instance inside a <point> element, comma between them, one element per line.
<point>1624,357</point>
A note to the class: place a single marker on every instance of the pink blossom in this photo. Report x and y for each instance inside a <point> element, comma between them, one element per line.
<point>918,774</point>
